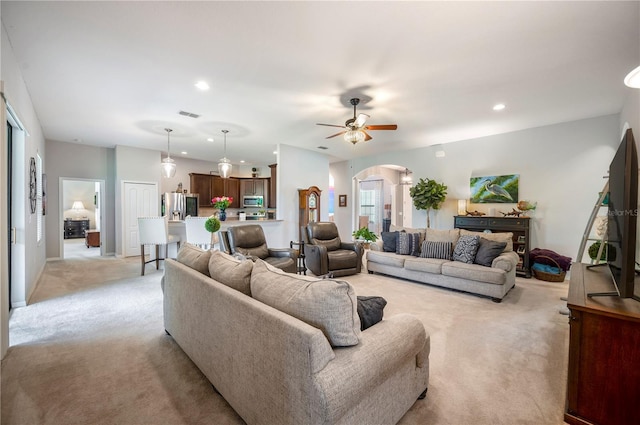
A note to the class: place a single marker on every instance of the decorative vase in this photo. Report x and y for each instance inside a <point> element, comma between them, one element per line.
<point>222,215</point>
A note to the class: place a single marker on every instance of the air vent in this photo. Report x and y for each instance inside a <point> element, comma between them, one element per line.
<point>189,114</point>
<point>324,148</point>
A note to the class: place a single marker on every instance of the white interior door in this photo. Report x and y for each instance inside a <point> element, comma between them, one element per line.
<point>139,200</point>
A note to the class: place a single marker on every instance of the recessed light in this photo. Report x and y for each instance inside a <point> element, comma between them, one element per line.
<point>242,161</point>
<point>210,139</point>
<point>633,79</point>
<point>202,85</point>
<point>183,152</point>
<point>499,107</point>
<point>275,152</point>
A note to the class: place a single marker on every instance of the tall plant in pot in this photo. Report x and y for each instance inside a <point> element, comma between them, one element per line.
<point>428,194</point>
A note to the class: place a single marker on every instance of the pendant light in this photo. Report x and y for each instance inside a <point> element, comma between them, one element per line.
<point>224,166</point>
<point>168,164</point>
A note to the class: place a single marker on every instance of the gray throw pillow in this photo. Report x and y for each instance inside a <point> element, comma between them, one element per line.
<point>370,310</point>
<point>441,250</point>
<point>389,240</point>
<point>487,251</point>
<point>466,249</point>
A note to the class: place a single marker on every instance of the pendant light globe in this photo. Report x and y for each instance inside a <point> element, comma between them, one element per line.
<point>168,164</point>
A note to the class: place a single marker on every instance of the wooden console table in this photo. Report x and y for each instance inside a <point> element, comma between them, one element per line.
<point>519,226</point>
<point>603,382</point>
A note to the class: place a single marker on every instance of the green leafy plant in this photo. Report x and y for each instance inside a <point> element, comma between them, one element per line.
<point>364,234</point>
<point>428,194</point>
<point>593,251</point>
<point>212,224</point>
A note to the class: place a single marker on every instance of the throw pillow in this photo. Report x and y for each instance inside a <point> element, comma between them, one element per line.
<point>488,250</point>
<point>194,257</point>
<point>441,250</point>
<point>389,240</point>
<point>466,248</point>
<point>370,310</point>
<point>234,273</point>
<point>327,304</point>
<point>493,236</point>
<point>408,244</point>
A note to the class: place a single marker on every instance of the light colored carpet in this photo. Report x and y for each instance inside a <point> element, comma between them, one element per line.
<point>91,349</point>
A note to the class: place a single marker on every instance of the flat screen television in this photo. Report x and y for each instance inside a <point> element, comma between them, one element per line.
<point>623,217</point>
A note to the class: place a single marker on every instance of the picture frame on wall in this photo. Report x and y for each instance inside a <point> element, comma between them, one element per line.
<point>342,200</point>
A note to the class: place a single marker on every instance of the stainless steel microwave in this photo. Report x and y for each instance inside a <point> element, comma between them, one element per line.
<point>249,201</point>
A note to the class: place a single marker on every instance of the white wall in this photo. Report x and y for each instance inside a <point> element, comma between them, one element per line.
<point>560,166</point>
<point>18,97</point>
<point>343,216</point>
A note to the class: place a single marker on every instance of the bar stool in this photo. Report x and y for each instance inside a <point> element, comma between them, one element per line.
<point>154,231</point>
<point>197,234</point>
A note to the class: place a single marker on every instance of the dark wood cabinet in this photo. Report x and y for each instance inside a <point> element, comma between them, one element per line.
<point>207,186</point>
<point>255,187</point>
<point>75,228</point>
<point>603,382</point>
<point>519,226</point>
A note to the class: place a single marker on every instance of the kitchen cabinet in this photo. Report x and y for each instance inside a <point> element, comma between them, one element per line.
<point>255,187</point>
<point>207,186</point>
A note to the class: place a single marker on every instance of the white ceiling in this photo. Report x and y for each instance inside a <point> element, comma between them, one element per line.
<point>109,73</point>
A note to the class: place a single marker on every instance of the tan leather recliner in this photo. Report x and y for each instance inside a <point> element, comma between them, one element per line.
<point>326,253</point>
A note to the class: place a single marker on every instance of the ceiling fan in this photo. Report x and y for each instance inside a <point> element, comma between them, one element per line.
<point>355,127</point>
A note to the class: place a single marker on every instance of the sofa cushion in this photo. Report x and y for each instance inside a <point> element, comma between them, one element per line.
<point>466,248</point>
<point>389,240</point>
<point>370,310</point>
<point>194,257</point>
<point>234,273</point>
<point>474,272</point>
<point>493,236</point>
<point>408,244</point>
<point>488,250</point>
<point>436,235</point>
<point>427,265</point>
<point>327,304</point>
<point>420,231</point>
<point>387,258</point>
<point>440,250</point>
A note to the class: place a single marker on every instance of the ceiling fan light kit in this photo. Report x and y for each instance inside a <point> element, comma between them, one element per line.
<point>355,127</point>
<point>633,79</point>
<point>224,166</point>
<point>168,164</point>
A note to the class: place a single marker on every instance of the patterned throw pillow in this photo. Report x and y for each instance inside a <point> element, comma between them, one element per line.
<point>441,250</point>
<point>408,244</point>
<point>466,249</point>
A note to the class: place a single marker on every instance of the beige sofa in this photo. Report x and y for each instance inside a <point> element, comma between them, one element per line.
<point>494,281</point>
<point>274,368</point>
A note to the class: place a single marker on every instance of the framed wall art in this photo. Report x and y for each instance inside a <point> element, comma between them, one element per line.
<point>342,200</point>
<point>495,189</point>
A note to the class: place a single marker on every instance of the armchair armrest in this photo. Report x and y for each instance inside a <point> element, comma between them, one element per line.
<point>316,259</point>
<point>283,252</point>
<point>352,246</point>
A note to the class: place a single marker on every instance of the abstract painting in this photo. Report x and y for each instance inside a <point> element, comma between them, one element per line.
<point>495,189</point>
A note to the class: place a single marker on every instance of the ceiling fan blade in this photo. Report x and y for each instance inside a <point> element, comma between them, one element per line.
<point>332,125</point>
<point>382,127</point>
<point>359,122</point>
<point>334,135</point>
<point>366,136</point>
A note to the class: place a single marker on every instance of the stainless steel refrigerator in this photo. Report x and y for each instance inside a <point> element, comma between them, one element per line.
<point>179,205</point>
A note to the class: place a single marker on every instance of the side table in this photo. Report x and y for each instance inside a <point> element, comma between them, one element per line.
<point>301,267</point>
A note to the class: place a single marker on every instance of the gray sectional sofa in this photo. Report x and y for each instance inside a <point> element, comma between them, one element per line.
<point>493,281</point>
<point>288,349</point>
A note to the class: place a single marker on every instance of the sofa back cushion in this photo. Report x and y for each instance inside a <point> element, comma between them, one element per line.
<point>229,271</point>
<point>495,236</point>
<point>437,235</point>
<point>194,257</point>
<point>327,304</point>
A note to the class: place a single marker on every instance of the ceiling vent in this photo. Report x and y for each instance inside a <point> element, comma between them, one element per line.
<point>189,114</point>
<point>324,148</point>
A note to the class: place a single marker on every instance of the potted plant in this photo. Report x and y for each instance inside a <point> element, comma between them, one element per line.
<point>428,194</point>
<point>365,235</point>
<point>212,224</point>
